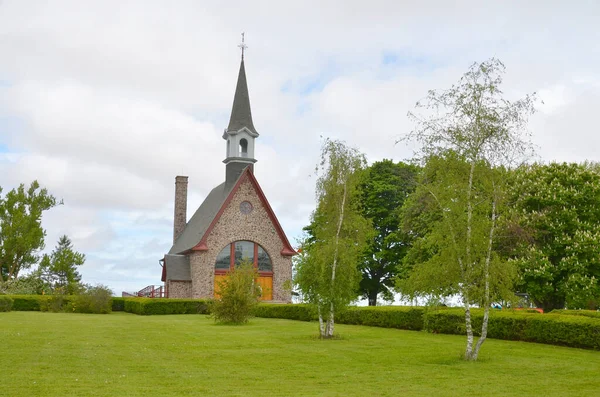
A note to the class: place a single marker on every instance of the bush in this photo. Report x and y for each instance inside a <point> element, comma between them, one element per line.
<point>299,312</point>
<point>410,318</point>
<point>27,303</point>
<point>94,299</point>
<point>566,330</point>
<point>149,306</point>
<point>57,302</point>
<point>6,303</point>
<point>118,304</point>
<point>239,295</point>
<point>584,313</point>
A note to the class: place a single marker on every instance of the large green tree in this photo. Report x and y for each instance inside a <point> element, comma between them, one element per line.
<point>385,187</point>
<point>326,270</point>
<point>466,134</point>
<point>557,230</point>
<point>59,269</point>
<point>21,232</point>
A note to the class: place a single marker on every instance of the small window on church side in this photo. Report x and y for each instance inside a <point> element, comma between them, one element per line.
<point>228,148</point>
<point>244,147</point>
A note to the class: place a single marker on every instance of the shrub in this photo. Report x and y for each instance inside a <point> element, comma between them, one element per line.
<point>584,313</point>
<point>6,303</point>
<point>57,302</point>
<point>28,303</point>
<point>410,318</point>
<point>148,306</point>
<point>94,299</point>
<point>556,329</point>
<point>118,304</point>
<point>299,312</point>
<point>239,295</point>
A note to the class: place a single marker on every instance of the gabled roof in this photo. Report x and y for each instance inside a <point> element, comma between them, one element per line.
<point>206,217</point>
<point>241,115</point>
<point>201,220</point>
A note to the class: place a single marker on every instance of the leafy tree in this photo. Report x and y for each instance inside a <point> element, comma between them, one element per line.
<point>466,134</point>
<point>21,232</point>
<point>239,294</point>
<point>59,269</point>
<point>558,233</point>
<point>383,191</point>
<point>327,272</point>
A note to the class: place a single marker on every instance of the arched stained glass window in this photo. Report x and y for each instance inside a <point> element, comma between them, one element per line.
<point>233,254</point>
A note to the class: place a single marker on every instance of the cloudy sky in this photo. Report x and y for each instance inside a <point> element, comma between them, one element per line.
<point>105,102</point>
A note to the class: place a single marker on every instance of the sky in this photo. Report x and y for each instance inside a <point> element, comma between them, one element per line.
<point>105,102</point>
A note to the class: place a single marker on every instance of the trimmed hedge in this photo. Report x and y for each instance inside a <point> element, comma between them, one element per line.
<point>28,303</point>
<point>298,312</point>
<point>118,304</point>
<point>6,303</point>
<point>149,306</point>
<point>584,313</point>
<point>410,318</point>
<point>401,317</point>
<point>565,330</point>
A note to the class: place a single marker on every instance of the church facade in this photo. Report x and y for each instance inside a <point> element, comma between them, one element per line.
<point>234,223</point>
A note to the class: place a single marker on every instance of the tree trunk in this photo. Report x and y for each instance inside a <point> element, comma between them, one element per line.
<point>330,319</point>
<point>469,327</point>
<point>321,324</point>
<point>486,270</point>
<point>372,298</point>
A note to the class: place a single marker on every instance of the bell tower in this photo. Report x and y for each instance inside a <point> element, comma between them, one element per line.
<point>240,134</point>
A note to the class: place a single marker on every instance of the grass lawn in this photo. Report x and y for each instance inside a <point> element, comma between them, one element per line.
<point>48,354</point>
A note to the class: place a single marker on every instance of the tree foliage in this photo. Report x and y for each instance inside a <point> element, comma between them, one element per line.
<point>326,270</point>
<point>557,230</point>
<point>239,294</point>
<point>59,269</point>
<point>21,232</point>
<point>466,134</point>
<point>384,188</point>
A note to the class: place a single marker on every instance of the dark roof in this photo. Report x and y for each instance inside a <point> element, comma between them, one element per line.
<point>178,267</point>
<point>241,115</point>
<point>196,227</point>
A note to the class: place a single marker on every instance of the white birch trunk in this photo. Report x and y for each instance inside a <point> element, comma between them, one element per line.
<point>486,312</point>
<point>321,324</point>
<point>330,318</point>
<point>468,325</point>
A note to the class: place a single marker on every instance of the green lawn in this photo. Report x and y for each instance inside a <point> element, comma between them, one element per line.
<point>48,354</point>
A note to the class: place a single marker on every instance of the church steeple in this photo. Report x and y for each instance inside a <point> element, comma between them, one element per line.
<point>241,115</point>
<point>240,133</point>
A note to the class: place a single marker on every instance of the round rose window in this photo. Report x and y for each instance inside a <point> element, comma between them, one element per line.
<point>245,207</point>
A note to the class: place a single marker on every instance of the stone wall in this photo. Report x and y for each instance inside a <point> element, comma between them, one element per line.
<point>179,289</point>
<point>233,226</point>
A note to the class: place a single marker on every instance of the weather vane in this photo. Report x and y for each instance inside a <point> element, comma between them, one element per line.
<point>242,45</point>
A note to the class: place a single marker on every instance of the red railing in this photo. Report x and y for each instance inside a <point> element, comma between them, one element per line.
<point>150,291</point>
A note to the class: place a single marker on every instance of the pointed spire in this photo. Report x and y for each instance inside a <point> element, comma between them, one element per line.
<point>241,115</point>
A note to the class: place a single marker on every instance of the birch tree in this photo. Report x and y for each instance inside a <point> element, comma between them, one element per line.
<point>468,134</point>
<point>327,269</point>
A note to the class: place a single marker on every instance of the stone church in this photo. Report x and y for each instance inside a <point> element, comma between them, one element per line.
<point>234,222</point>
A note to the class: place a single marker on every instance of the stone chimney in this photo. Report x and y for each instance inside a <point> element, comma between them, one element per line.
<point>180,218</point>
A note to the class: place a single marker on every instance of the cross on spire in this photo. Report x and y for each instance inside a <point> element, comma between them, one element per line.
<point>242,45</point>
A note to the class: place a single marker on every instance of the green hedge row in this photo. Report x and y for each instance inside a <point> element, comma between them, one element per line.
<point>410,318</point>
<point>149,306</point>
<point>28,303</point>
<point>556,329</point>
<point>584,313</point>
<point>6,303</point>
